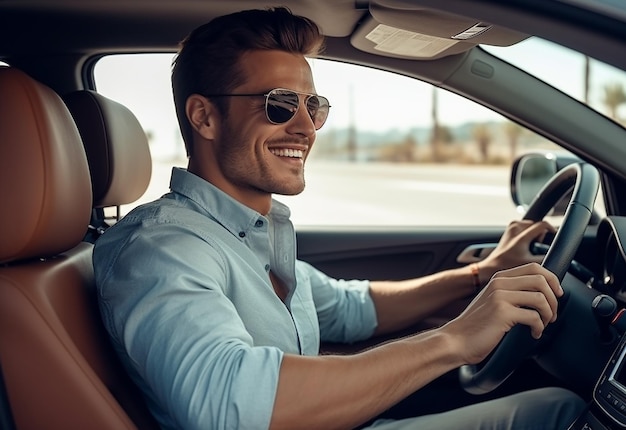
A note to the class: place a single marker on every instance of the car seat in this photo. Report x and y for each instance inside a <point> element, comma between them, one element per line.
<point>117,151</point>
<point>59,368</point>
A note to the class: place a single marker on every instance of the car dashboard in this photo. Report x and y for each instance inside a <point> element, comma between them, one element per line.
<point>607,409</point>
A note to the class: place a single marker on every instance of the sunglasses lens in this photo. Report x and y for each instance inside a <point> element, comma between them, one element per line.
<point>318,107</point>
<point>281,106</point>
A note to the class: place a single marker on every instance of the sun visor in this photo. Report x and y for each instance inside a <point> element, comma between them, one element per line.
<point>399,29</point>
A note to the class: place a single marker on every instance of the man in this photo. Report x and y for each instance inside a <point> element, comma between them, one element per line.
<point>217,321</point>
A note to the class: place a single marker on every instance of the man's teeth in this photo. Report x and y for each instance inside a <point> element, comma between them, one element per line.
<point>293,153</point>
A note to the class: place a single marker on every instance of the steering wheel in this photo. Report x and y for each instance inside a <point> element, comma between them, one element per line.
<point>518,344</point>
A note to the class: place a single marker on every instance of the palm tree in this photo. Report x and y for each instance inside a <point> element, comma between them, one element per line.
<point>482,136</point>
<point>513,131</point>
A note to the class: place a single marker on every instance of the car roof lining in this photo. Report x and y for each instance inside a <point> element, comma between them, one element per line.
<point>85,27</point>
<point>159,24</point>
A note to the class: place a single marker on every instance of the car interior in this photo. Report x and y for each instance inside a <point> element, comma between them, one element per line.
<point>68,152</point>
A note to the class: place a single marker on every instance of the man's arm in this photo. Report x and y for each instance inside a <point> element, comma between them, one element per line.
<point>343,391</point>
<point>401,304</point>
<point>338,391</point>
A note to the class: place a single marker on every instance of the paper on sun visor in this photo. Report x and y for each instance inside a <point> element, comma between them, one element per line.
<point>402,42</point>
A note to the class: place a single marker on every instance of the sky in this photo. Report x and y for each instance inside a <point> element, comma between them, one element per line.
<point>142,83</point>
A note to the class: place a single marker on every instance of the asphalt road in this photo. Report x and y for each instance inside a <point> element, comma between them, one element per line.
<point>390,194</point>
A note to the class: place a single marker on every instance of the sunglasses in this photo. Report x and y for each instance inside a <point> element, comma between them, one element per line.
<point>281,105</point>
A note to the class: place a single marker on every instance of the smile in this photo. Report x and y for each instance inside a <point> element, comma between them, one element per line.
<point>291,153</point>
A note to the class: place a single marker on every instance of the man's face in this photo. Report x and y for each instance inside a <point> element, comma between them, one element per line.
<point>255,157</point>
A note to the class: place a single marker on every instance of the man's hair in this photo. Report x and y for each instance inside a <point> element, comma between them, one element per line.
<point>208,59</point>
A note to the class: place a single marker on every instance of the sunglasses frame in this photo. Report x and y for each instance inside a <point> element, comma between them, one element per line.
<point>267,98</point>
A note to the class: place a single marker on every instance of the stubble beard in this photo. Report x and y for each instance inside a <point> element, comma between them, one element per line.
<point>252,173</point>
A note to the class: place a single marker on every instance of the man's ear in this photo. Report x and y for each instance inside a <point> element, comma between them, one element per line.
<point>202,115</point>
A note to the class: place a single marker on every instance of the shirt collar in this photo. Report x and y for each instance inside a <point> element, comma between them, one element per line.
<point>233,215</point>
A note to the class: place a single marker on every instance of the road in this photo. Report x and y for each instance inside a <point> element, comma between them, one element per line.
<point>390,194</point>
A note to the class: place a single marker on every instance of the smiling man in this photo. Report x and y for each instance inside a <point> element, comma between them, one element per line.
<point>243,152</point>
<point>218,322</point>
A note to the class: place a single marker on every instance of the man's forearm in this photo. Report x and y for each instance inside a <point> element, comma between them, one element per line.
<point>400,304</point>
<point>344,391</point>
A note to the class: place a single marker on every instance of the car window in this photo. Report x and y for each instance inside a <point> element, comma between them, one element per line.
<point>599,85</point>
<point>394,151</point>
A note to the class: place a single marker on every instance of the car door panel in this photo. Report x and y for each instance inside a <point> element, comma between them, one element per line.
<point>389,254</point>
<point>394,254</point>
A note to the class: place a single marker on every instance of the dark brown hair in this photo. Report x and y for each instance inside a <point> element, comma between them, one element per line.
<point>207,62</point>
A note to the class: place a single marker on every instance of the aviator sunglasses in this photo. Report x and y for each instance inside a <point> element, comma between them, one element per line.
<point>282,104</point>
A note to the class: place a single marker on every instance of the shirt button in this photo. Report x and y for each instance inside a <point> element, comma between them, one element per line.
<point>267,267</point>
<point>242,234</point>
<point>258,223</point>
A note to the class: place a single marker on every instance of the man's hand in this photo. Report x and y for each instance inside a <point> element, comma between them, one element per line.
<point>514,247</point>
<point>522,295</point>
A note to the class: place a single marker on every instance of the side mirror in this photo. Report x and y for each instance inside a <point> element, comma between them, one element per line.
<point>529,174</point>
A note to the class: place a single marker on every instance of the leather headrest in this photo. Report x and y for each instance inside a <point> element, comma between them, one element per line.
<point>116,145</point>
<point>44,177</point>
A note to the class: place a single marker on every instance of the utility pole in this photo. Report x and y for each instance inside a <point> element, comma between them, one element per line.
<point>351,147</point>
<point>435,138</point>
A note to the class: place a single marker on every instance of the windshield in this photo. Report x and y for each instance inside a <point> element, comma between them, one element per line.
<point>600,86</point>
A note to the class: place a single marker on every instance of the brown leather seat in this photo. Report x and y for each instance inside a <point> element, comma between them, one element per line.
<point>59,368</point>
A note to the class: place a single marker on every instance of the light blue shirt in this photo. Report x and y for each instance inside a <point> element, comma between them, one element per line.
<point>185,294</point>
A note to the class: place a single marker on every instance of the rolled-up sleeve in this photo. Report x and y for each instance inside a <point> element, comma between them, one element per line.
<point>180,336</point>
<point>345,309</point>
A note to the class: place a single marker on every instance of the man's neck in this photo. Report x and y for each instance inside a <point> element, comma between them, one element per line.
<point>257,200</point>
